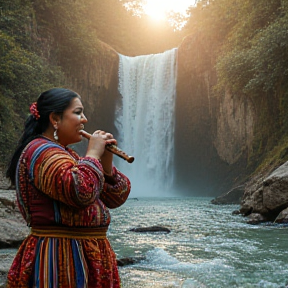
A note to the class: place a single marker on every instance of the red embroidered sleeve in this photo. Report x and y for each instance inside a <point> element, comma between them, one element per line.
<point>76,182</point>
<point>116,189</point>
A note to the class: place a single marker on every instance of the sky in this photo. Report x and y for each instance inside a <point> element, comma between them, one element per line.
<point>157,8</point>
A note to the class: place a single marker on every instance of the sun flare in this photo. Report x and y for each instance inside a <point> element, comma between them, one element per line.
<point>155,10</point>
<point>159,9</point>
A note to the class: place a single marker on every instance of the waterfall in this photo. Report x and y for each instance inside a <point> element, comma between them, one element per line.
<point>145,120</point>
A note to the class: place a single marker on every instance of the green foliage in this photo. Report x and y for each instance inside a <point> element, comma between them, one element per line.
<point>23,75</point>
<point>23,72</point>
<point>65,27</point>
<point>259,61</point>
<point>249,40</point>
<point>15,20</point>
<point>270,61</point>
<point>275,157</point>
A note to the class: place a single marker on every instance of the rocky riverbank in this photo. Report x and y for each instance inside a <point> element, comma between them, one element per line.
<point>262,199</point>
<point>266,197</point>
<point>13,230</point>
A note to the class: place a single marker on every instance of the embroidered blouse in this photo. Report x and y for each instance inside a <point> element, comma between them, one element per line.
<point>55,186</point>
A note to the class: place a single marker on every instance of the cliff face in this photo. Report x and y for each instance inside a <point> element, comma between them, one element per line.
<point>235,120</point>
<point>98,87</point>
<point>213,134</point>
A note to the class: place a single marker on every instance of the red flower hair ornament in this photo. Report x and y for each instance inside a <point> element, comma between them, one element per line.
<point>34,111</point>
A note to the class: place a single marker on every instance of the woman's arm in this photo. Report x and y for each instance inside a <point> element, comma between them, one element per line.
<point>75,182</point>
<point>116,189</point>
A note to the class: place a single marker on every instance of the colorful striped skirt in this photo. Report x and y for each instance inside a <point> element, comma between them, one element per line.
<point>54,258</point>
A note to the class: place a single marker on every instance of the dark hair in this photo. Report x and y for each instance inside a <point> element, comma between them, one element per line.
<point>54,100</point>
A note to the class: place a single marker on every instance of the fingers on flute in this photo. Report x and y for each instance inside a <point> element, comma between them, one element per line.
<point>111,141</point>
<point>85,134</point>
<point>97,132</point>
<point>109,136</point>
<point>103,134</point>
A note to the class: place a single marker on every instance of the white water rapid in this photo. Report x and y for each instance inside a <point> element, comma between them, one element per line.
<point>145,121</point>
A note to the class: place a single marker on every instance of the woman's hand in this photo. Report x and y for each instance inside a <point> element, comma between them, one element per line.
<point>96,148</point>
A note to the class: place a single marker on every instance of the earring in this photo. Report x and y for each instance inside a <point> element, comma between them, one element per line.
<point>55,133</point>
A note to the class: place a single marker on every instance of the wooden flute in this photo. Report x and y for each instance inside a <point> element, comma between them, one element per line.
<point>113,149</point>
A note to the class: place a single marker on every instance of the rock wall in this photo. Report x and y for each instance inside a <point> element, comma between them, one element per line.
<point>235,127</point>
<point>214,134</point>
<point>97,84</point>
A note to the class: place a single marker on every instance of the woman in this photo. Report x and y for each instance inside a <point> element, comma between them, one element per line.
<point>64,198</point>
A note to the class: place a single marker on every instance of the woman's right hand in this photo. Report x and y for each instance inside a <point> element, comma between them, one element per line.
<point>96,144</point>
<point>96,147</point>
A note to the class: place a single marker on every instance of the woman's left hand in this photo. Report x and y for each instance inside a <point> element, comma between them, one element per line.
<point>107,157</point>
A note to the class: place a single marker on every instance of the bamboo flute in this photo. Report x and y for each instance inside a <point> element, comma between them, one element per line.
<point>113,149</point>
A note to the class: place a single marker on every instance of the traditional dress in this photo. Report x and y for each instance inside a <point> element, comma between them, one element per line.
<point>65,198</point>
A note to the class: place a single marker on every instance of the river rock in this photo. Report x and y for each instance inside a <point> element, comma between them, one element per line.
<point>233,196</point>
<point>13,228</point>
<point>4,182</point>
<point>151,229</point>
<point>129,260</point>
<point>267,196</point>
<point>6,259</point>
<point>282,217</point>
<point>256,218</point>
<point>236,212</point>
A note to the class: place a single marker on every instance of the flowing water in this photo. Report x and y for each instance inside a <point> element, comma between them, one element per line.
<point>207,246</point>
<point>145,119</point>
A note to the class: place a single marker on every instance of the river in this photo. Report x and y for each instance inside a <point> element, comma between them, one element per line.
<point>207,246</point>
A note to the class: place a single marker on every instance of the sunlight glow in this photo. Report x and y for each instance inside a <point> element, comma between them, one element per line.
<point>159,9</point>
<point>155,10</point>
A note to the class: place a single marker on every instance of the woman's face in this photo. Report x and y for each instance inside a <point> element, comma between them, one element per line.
<point>71,122</point>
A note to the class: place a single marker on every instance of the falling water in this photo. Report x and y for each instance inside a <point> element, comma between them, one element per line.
<point>145,120</point>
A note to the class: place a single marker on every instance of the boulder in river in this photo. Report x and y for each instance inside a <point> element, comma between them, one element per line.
<point>267,196</point>
<point>282,217</point>
<point>256,218</point>
<point>233,196</point>
<point>151,229</point>
<point>129,260</point>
